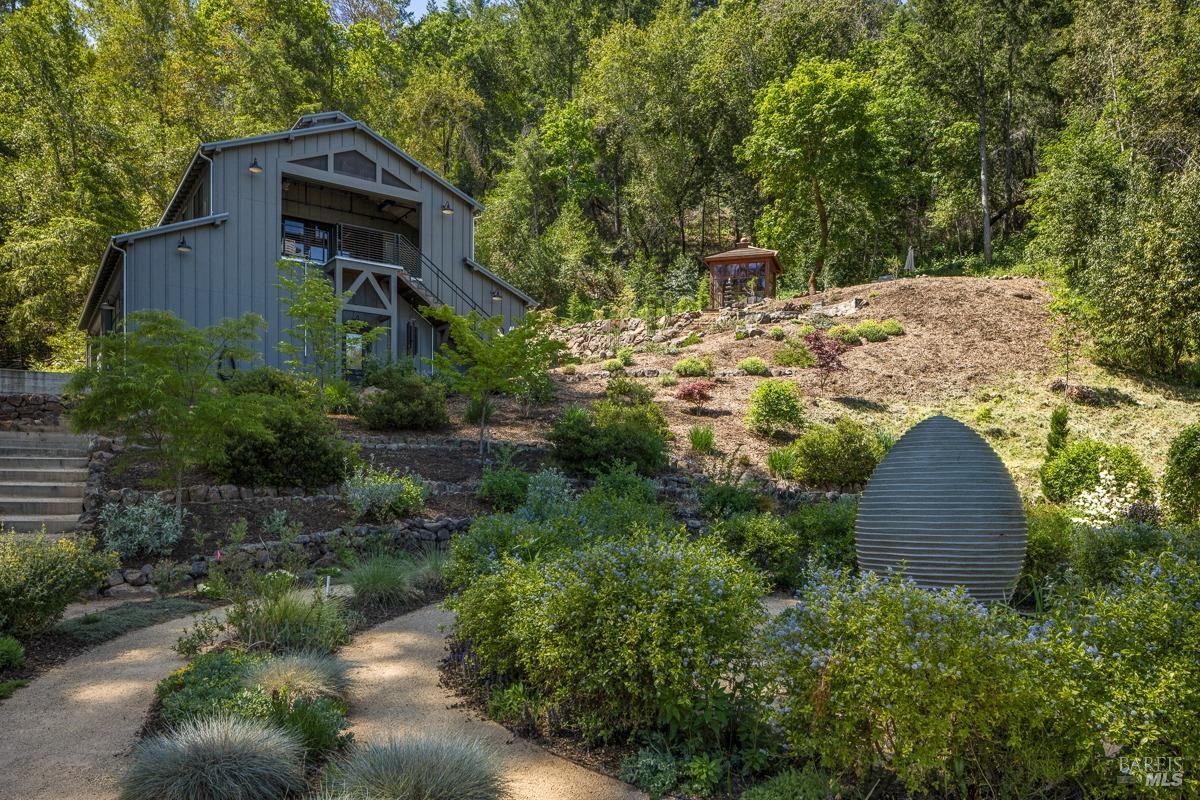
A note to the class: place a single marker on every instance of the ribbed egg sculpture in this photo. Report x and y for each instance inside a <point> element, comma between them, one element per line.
<point>942,506</point>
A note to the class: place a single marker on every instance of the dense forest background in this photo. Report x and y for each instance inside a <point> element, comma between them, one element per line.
<point>616,141</point>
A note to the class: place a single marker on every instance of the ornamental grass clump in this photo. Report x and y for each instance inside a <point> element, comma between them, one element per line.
<point>306,675</point>
<point>280,617</point>
<point>420,768</point>
<point>216,758</point>
<point>385,583</point>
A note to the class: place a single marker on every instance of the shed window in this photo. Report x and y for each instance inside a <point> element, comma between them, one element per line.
<point>354,164</point>
<point>392,180</point>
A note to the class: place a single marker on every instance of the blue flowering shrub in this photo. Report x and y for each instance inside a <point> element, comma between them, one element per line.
<point>943,693</point>
<point>1134,647</point>
<point>649,632</point>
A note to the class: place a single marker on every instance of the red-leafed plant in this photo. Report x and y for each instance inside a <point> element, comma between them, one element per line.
<point>826,351</point>
<point>696,393</point>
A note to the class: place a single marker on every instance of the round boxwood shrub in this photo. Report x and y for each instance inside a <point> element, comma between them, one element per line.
<point>775,406</point>
<point>766,541</point>
<point>588,442</point>
<point>298,446</point>
<point>834,456</point>
<point>406,400</point>
<point>1181,482</point>
<point>270,381</point>
<point>626,634</point>
<point>216,757</point>
<point>424,767</point>
<point>1075,468</point>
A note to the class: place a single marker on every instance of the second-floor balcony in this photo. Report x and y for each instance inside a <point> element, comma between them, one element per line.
<point>321,242</point>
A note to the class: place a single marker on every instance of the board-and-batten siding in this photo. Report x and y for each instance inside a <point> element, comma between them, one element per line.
<point>232,269</point>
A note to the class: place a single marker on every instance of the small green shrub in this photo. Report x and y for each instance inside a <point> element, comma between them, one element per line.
<point>216,757</point>
<point>297,446</point>
<point>1056,439</point>
<point>1076,468</point>
<point>777,333</point>
<point>691,339</point>
<point>1181,481</point>
<point>12,654</point>
<point>549,493</point>
<point>668,379</point>
<point>477,411</point>
<point>654,770</point>
<point>625,356</point>
<point>627,391</point>
<point>871,330</point>
<point>613,366</point>
<point>892,327</point>
<point>754,366</point>
<point>148,528</point>
<point>306,676</point>
<point>794,784</point>
<point>767,542</point>
<point>703,439</point>
<point>38,578</point>
<point>1047,543</point>
<point>622,480</point>
<point>826,531</point>
<point>382,494</point>
<point>720,499</point>
<point>341,398</point>
<point>586,442</point>
<point>693,367</point>
<point>794,353</point>
<point>504,486</point>
<point>407,400</point>
<point>804,328</point>
<point>845,334</point>
<point>424,767</point>
<point>271,382</point>
<point>282,617</point>
<point>211,684</point>
<point>1098,555</point>
<point>775,406</point>
<point>636,632</point>
<point>8,687</point>
<point>834,456</point>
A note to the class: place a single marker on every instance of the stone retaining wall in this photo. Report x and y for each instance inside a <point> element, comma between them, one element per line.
<point>38,410</point>
<point>317,550</point>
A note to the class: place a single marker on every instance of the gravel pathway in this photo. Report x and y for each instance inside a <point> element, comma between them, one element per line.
<point>394,681</point>
<point>68,735</point>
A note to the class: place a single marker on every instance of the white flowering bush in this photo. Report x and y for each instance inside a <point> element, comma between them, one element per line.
<point>1108,501</point>
<point>148,528</point>
<point>382,494</point>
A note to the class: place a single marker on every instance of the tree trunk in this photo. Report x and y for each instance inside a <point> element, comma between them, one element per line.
<point>823,221</point>
<point>983,169</point>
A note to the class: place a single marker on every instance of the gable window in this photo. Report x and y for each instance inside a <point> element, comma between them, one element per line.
<point>311,241</point>
<point>354,164</point>
<point>392,180</point>
<point>313,162</point>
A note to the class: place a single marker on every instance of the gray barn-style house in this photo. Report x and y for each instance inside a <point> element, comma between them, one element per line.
<point>331,192</point>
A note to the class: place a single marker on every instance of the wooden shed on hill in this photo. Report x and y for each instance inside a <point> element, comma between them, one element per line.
<point>744,272</point>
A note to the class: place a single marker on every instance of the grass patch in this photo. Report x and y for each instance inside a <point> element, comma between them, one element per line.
<point>113,622</point>
<point>8,687</point>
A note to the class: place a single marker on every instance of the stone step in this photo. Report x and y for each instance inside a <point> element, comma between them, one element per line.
<point>15,474</point>
<point>63,438</point>
<point>39,452</point>
<point>25,523</point>
<point>43,462</point>
<point>41,489</point>
<point>47,506</point>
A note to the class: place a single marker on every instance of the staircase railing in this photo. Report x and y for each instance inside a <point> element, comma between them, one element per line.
<point>383,247</point>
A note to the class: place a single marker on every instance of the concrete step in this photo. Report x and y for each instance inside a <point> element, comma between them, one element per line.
<point>42,462</point>
<point>41,489</point>
<point>29,506</point>
<point>44,437</point>
<point>22,451</point>
<point>24,523</point>
<point>14,474</point>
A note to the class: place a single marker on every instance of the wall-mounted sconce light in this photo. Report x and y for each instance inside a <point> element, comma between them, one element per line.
<point>496,296</point>
<point>183,248</point>
<point>255,167</point>
<point>447,210</point>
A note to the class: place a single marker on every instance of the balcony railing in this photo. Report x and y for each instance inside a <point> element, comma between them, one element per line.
<point>381,247</point>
